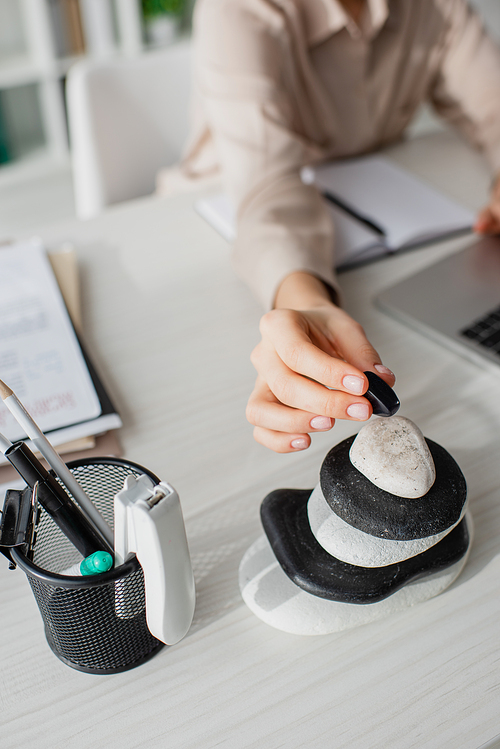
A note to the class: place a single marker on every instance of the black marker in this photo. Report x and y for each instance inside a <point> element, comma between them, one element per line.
<point>65,513</point>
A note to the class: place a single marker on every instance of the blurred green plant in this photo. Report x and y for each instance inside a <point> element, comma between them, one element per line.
<point>153,8</point>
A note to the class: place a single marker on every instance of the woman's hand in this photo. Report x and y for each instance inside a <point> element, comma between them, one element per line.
<point>488,220</point>
<point>310,365</point>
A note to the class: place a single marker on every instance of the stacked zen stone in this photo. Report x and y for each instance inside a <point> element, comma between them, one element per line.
<point>384,529</point>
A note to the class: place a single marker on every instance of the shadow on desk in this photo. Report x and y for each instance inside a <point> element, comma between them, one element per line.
<point>484,508</point>
<point>220,535</point>
<point>465,420</point>
<point>218,539</point>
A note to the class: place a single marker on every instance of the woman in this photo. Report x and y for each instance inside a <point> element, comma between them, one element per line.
<point>283,83</point>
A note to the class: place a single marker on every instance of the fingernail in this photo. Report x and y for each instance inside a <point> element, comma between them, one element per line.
<point>321,422</point>
<point>358,411</point>
<point>383,370</point>
<point>354,384</point>
<point>299,444</point>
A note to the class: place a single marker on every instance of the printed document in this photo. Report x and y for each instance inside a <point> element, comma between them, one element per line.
<point>40,357</point>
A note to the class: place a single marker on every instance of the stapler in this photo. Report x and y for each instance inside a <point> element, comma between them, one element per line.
<point>149,523</point>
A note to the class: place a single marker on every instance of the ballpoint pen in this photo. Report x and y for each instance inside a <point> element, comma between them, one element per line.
<point>4,443</point>
<point>59,467</point>
<point>67,516</point>
<point>368,222</point>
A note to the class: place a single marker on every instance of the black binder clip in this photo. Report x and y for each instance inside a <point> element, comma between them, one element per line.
<point>19,521</point>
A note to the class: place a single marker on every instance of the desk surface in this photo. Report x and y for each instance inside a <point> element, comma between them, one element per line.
<point>171,330</point>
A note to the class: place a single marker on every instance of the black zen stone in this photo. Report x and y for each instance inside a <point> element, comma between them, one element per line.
<point>383,399</point>
<point>363,505</point>
<point>310,567</point>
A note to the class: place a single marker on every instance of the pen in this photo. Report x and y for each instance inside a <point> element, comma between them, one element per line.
<point>4,443</point>
<point>59,467</point>
<point>99,561</point>
<point>67,516</point>
<point>353,212</point>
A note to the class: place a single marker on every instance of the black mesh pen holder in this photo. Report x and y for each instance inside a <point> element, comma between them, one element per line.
<point>97,623</point>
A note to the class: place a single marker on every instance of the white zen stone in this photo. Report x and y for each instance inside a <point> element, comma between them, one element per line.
<point>277,601</point>
<point>353,546</point>
<point>393,454</point>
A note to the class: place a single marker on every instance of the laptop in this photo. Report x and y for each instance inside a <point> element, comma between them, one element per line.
<point>456,301</point>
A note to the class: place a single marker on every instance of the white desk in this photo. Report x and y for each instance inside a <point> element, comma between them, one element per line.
<point>171,329</point>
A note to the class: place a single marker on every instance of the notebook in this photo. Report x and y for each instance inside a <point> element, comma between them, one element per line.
<point>378,208</point>
<point>455,301</point>
<point>41,357</point>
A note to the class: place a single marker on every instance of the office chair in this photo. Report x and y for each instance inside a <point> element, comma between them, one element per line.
<point>127,119</point>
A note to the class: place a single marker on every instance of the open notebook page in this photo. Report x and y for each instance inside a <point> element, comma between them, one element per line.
<point>40,358</point>
<point>409,210</point>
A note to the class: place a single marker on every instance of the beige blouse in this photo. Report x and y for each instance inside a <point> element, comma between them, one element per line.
<point>283,83</point>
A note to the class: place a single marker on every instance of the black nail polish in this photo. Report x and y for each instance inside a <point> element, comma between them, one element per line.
<point>383,399</point>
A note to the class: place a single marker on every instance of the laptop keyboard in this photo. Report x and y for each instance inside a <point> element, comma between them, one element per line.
<point>486,331</point>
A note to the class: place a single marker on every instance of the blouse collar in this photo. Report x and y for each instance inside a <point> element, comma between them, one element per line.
<point>326,17</point>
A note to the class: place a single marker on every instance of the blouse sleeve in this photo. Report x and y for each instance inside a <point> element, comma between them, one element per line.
<point>466,90</point>
<point>243,63</point>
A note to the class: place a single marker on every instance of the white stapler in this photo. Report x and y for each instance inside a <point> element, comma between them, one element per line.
<point>149,523</point>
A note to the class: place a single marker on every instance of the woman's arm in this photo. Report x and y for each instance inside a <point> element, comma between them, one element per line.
<point>466,88</point>
<point>310,365</point>
<point>248,73</point>
<point>248,77</point>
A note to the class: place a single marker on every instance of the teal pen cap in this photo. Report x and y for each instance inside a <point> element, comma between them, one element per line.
<point>99,561</point>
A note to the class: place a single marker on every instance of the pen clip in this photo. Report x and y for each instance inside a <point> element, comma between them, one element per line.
<point>35,515</point>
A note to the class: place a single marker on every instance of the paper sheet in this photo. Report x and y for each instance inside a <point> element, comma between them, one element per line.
<point>219,212</point>
<point>408,209</point>
<point>40,358</point>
